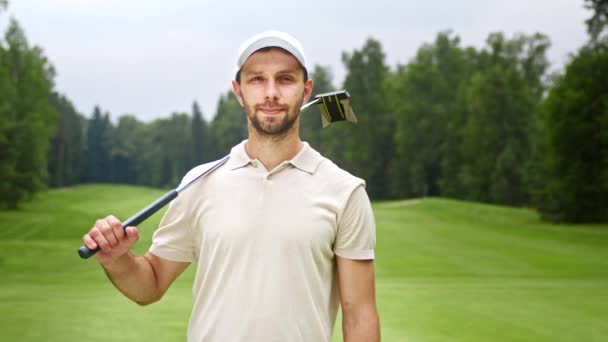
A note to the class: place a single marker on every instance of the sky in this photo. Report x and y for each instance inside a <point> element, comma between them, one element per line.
<point>150,58</point>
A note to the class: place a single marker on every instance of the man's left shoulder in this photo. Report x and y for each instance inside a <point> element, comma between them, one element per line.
<point>334,175</point>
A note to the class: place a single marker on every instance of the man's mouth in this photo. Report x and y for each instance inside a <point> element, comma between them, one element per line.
<point>271,110</point>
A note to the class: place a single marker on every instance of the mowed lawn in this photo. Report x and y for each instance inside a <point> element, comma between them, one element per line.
<point>446,271</point>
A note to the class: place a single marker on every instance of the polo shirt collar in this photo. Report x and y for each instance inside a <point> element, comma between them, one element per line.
<point>306,160</point>
<point>238,157</point>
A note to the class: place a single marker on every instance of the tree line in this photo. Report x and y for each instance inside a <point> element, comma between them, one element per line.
<point>485,124</point>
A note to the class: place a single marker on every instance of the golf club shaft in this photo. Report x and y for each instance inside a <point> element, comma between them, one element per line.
<point>134,220</point>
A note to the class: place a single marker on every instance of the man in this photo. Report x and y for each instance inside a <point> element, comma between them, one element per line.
<point>281,235</point>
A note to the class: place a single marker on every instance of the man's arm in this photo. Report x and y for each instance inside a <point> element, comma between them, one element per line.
<point>143,279</point>
<point>360,320</point>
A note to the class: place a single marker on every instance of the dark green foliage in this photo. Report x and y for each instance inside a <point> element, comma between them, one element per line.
<point>125,150</point>
<point>572,152</point>
<point>200,142</point>
<point>65,157</point>
<point>26,117</point>
<point>478,124</point>
<point>368,146</point>
<point>329,141</point>
<point>158,153</point>
<point>575,178</point>
<point>229,126</point>
<point>311,129</point>
<point>423,94</point>
<point>596,25</point>
<point>98,148</point>
<point>169,152</point>
<point>501,101</point>
<point>463,118</point>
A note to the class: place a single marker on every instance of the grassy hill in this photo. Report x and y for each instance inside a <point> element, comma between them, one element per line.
<point>446,271</point>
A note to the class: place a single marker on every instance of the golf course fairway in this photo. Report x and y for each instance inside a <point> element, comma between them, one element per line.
<point>446,270</point>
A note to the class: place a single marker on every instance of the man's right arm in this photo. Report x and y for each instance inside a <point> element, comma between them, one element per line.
<point>143,279</point>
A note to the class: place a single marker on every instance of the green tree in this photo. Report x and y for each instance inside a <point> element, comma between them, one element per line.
<point>452,159</point>
<point>125,150</point>
<point>27,118</point>
<point>173,136</point>
<point>8,126</point>
<point>502,100</point>
<point>596,25</point>
<point>199,137</point>
<point>98,148</point>
<point>154,154</point>
<point>310,119</point>
<point>148,147</point>
<point>423,94</point>
<point>65,156</point>
<point>575,178</point>
<point>368,146</point>
<point>229,125</point>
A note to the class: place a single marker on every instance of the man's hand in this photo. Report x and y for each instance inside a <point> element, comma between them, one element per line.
<point>143,279</point>
<point>109,235</point>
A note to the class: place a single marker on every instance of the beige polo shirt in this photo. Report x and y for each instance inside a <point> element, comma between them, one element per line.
<point>265,243</point>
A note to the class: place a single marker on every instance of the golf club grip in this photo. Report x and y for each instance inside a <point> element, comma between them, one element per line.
<point>134,220</point>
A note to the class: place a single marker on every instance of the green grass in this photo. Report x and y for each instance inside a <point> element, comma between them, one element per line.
<point>446,271</point>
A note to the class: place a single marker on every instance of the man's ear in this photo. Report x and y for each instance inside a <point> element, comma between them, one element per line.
<point>307,90</point>
<point>236,87</point>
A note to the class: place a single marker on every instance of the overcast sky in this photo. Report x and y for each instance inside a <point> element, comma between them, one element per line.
<point>150,57</point>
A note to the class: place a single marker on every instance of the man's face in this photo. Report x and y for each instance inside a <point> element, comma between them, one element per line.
<point>272,90</point>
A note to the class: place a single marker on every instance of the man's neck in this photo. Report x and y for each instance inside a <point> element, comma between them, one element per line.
<point>272,151</point>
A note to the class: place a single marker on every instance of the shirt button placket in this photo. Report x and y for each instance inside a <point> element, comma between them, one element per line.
<point>262,175</point>
<point>266,182</point>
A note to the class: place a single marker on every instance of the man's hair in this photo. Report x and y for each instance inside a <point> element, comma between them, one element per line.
<point>238,73</point>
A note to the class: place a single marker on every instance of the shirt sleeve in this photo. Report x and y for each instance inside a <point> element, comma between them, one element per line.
<point>356,237</point>
<point>173,240</point>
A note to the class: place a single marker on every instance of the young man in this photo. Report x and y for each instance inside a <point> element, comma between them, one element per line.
<point>281,235</point>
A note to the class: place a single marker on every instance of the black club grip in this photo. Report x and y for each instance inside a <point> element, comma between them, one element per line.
<point>134,220</point>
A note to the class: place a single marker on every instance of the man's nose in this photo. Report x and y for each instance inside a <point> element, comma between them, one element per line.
<point>272,91</point>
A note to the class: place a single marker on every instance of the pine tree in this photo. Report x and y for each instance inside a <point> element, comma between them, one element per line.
<point>66,145</point>
<point>199,139</point>
<point>229,126</point>
<point>98,148</point>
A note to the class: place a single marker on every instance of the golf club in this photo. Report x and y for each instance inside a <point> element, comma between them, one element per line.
<point>335,106</point>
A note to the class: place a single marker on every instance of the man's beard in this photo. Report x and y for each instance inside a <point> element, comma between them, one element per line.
<point>273,128</point>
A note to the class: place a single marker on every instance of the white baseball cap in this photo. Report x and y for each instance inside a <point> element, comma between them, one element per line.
<point>271,39</point>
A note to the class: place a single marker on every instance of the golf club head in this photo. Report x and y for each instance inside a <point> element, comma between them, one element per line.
<point>334,106</point>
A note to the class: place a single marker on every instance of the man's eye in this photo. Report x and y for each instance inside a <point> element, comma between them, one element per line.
<point>256,79</point>
<point>286,79</point>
